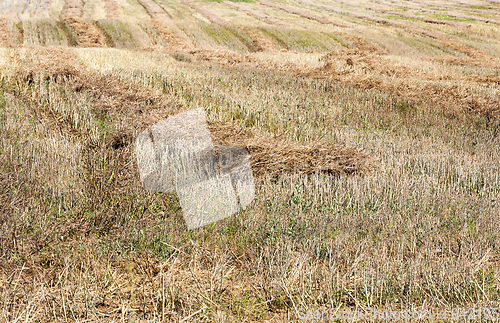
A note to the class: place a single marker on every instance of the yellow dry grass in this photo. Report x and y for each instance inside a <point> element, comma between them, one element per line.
<point>375,162</point>
<point>88,34</point>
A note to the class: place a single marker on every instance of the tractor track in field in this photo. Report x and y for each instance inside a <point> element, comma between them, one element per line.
<point>259,41</point>
<point>176,42</point>
<point>112,9</point>
<point>155,10</point>
<point>455,13</point>
<point>310,16</point>
<point>257,14</point>
<point>405,15</point>
<point>213,18</point>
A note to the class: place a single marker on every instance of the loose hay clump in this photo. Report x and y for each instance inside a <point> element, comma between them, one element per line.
<point>48,61</point>
<point>88,34</point>
<point>274,155</point>
<point>5,35</point>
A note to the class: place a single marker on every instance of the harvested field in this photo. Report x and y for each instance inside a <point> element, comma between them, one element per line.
<point>475,57</point>
<point>206,13</point>
<point>257,14</point>
<point>112,9</point>
<point>352,13</point>
<point>456,98</point>
<point>5,35</point>
<point>155,10</point>
<point>73,8</point>
<point>373,132</point>
<point>123,34</point>
<point>405,15</point>
<point>261,42</point>
<point>276,156</point>
<point>43,32</point>
<point>294,11</point>
<point>88,35</point>
<point>140,107</point>
<point>174,41</point>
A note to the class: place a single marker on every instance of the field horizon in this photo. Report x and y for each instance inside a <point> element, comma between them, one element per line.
<point>373,134</point>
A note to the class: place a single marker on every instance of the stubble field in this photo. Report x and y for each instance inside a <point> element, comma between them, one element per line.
<point>373,128</point>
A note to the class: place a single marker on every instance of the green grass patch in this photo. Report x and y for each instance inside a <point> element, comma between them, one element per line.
<point>43,32</point>
<point>119,33</point>
<point>301,40</point>
<point>445,17</point>
<point>229,37</point>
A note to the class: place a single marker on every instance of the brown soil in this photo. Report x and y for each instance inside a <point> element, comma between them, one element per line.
<point>154,10</point>
<point>307,15</point>
<point>88,35</point>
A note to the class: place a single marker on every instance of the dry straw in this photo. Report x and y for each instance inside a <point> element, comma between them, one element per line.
<point>139,107</point>
<point>88,34</point>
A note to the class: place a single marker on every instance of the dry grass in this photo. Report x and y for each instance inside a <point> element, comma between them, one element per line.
<point>274,156</point>
<point>5,35</point>
<point>375,161</point>
<point>206,13</point>
<point>73,8</point>
<point>307,15</point>
<point>256,13</point>
<point>88,35</point>
<point>154,10</point>
<point>174,41</point>
<point>112,9</point>
<point>105,249</point>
